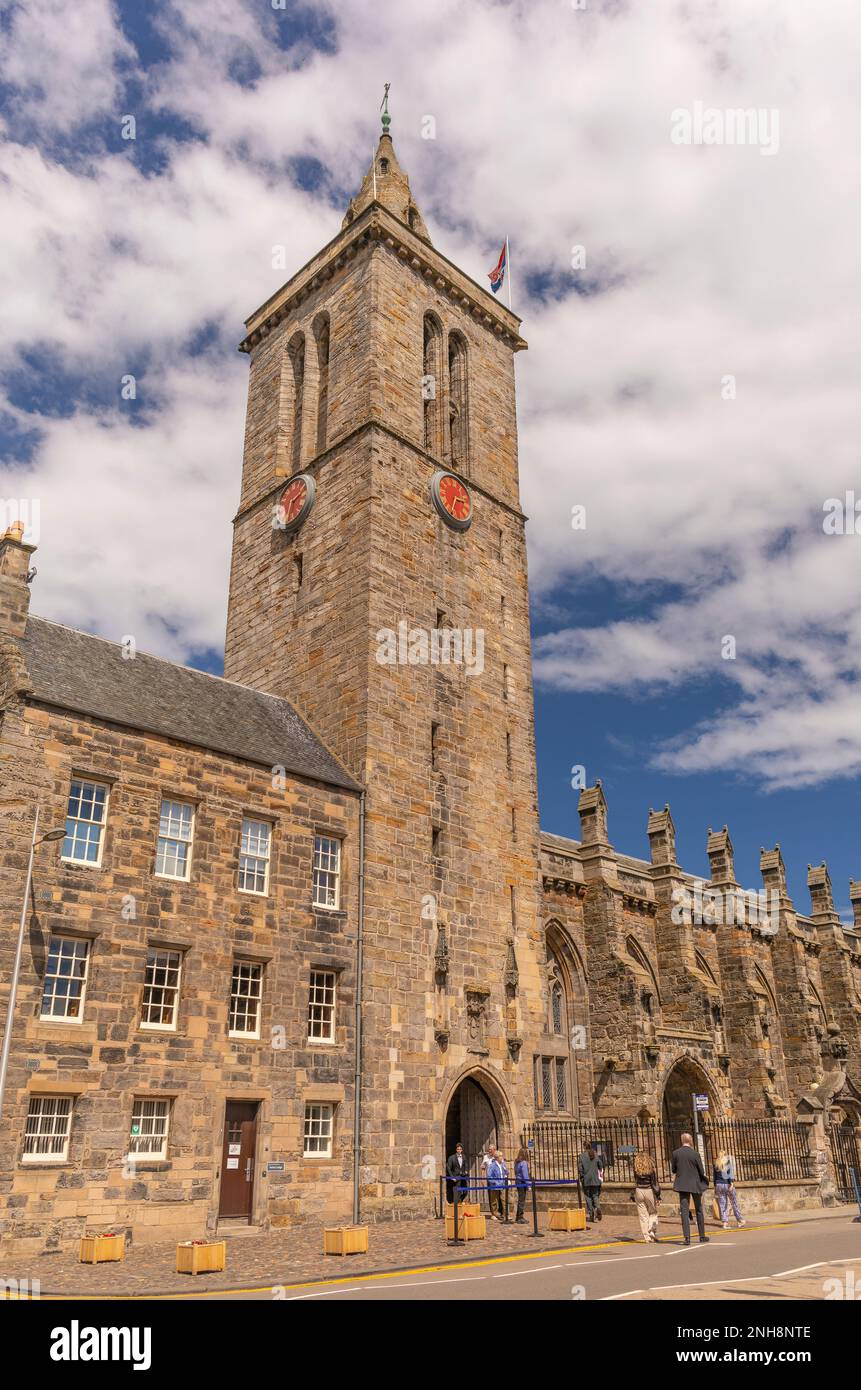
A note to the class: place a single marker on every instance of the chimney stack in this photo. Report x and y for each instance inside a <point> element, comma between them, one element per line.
<point>14,588</point>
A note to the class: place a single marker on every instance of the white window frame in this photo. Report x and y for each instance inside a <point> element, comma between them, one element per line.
<point>78,942</point>
<point>248,854</point>
<point>162,1027</point>
<point>159,1111</point>
<point>175,839</point>
<point>256,969</point>
<point>319,1115</point>
<point>64,1107</point>
<point>322,859</point>
<point>85,782</point>
<point>329,979</point>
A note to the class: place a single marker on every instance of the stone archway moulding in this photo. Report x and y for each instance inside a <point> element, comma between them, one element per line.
<point>696,1063</point>
<point>490,1082</point>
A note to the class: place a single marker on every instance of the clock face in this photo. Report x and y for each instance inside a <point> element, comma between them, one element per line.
<point>296,501</point>
<point>452,500</point>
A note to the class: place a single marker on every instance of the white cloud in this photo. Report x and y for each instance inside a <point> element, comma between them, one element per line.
<point>62,62</point>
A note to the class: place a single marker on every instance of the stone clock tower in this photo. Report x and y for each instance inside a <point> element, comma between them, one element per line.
<point>379,580</point>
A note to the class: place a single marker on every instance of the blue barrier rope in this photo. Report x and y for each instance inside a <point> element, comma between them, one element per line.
<point>539,1182</point>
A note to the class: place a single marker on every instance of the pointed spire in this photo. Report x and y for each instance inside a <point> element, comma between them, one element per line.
<point>387,184</point>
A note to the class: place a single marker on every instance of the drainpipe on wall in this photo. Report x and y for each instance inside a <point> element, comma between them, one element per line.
<point>357,1083</point>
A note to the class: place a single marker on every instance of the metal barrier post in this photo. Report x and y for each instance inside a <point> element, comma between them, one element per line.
<point>442,1197</point>
<point>457,1240</point>
<point>534,1234</point>
<point>506,1199</point>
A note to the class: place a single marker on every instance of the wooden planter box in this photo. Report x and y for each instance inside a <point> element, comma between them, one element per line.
<point>345,1240</point>
<point>471,1226</point>
<point>567,1218</point>
<point>206,1258</point>
<point>469,1208</point>
<point>96,1249</point>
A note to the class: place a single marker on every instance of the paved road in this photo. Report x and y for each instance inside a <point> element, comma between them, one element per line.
<point>767,1262</point>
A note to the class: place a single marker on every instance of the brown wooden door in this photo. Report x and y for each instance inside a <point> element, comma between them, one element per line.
<point>478,1127</point>
<point>237,1158</point>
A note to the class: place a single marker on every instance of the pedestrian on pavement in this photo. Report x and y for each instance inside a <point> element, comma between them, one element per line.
<point>646,1194</point>
<point>489,1154</point>
<point>457,1175</point>
<point>495,1184</point>
<point>506,1179</point>
<point>521,1177</point>
<point>591,1171</point>
<point>690,1183</point>
<point>724,1181</point>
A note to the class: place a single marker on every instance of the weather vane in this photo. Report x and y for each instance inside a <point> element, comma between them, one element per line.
<point>384,107</point>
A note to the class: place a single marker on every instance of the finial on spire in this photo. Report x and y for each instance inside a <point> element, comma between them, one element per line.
<point>384,107</point>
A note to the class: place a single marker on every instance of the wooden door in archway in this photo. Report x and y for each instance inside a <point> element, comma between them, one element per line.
<point>471,1121</point>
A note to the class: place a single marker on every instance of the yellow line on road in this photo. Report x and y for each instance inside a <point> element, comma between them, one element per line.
<point>386,1274</point>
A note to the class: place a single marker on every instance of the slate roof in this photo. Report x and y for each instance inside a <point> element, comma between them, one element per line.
<point>77,671</point>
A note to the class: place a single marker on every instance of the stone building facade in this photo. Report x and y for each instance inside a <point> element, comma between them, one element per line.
<point>304,931</point>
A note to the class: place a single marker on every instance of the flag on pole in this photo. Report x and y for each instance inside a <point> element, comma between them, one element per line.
<point>497,275</point>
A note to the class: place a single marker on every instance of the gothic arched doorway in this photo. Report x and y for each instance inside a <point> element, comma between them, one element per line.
<point>686,1079</point>
<point>471,1120</point>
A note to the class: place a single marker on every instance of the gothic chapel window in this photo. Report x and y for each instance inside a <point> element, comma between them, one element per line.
<point>296,352</point>
<point>557,1008</point>
<point>458,402</point>
<point>321,334</point>
<point>432,383</point>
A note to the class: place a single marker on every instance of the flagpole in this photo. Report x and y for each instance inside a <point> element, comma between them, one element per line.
<point>508,268</point>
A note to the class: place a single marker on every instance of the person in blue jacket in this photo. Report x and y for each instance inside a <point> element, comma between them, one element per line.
<point>521,1177</point>
<point>495,1174</point>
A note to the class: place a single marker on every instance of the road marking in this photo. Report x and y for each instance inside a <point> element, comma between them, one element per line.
<point>842,1260</point>
<point>707,1283</point>
<point>517,1273</point>
<point>327,1293</point>
<point>688,1248</point>
<point>622,1259</point>
<point>728,1282</point>
<point>412,1284</point>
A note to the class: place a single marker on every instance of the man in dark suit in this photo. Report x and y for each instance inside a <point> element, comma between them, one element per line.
<point>690,1182</point>
<point>455,1167</point>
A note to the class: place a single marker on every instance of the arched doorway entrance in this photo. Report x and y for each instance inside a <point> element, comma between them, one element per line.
<point>685,1080</point>
<point>471,1120</point>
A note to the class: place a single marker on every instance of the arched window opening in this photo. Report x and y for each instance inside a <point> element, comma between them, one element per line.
<point>644,970</point>
<point>458,402</point>
<point>321,335</point>
<point>563,1071</point>
<point>703,966</point>
<point>296,350</point>
<point>557,1008</point>
<point>431,384</point>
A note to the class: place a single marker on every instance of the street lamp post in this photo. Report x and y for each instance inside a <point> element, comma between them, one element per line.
<point>57,834</point>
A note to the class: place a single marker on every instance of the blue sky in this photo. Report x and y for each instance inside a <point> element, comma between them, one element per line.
<point>691,386</point>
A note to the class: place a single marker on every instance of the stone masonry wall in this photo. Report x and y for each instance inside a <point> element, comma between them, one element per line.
<point>106,1059</point>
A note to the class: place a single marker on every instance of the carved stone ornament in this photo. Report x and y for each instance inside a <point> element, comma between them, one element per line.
<point>512,974</point>
<point>441,955</point>
<point>476,1019</point>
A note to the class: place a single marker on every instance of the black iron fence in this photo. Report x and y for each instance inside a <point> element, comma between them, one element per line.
<point>760,1149</point>
<point>846,1157</point>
